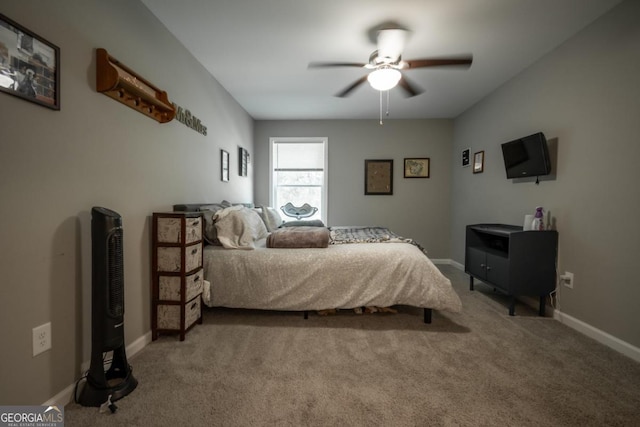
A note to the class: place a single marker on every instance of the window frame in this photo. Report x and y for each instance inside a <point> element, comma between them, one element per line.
<point>325,176</point>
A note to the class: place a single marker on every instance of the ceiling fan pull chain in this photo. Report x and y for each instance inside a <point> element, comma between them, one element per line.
<point>387,103</point>
<point>381,108</point>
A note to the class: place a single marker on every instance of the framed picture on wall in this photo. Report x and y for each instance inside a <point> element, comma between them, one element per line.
<point>466,157</point>
<point>224,165</point>
<point>478,162</point>
<point>416,167</point>
<point>29,65</point>
<point>378,177</point>
<point>243,161</point>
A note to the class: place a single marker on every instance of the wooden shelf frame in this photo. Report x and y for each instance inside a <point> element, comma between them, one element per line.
<point>121,83</point>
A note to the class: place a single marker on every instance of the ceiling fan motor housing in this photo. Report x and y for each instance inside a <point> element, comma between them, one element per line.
<point>391,43</point>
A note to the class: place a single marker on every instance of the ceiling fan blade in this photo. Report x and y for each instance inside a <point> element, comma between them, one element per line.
<point>438,62</point>
<point>354,85</point>
<point>410,89</point>
<point>335,64</point>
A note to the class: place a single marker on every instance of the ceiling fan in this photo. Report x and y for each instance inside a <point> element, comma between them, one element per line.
<point>386,64</point>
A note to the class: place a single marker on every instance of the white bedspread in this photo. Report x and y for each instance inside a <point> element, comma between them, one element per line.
<point>340,276</point>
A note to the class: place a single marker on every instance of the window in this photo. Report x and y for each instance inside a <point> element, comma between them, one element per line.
<point>299,174</point>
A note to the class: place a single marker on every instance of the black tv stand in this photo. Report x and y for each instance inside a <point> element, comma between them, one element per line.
<point>513,261</point>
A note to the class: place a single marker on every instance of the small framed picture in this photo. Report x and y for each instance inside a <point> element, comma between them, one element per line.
<point>243,161</point>
<point>478,162</point>
<point>29,65</point>
<point>466,157</point>
<point>416,167</point>
<point>378,177</point>
<point>224,165</point>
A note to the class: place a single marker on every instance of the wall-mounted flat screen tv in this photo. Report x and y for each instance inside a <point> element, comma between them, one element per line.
<point>526,157</point>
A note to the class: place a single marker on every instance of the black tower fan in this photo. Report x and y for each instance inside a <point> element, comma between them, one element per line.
<point>107,313</point>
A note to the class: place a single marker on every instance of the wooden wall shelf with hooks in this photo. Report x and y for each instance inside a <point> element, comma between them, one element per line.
<point>121,83</point>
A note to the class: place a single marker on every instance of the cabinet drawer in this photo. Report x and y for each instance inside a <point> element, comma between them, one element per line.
<point>498,271</point>
<point>169,258</point>
<point>476,262</point>
<point>170,230</point>
<point>169,315</point>
<point>169,286</point>
<point>489,265</point>
<point>194,230</point>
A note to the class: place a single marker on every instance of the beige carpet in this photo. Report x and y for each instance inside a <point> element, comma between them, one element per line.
<point>477,368</point>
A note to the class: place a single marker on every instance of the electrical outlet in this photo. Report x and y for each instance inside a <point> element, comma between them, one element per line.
<point>567,279</point>
<point>41,338</point>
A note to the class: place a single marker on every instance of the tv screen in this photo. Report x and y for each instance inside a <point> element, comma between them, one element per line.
<point>528,156</point>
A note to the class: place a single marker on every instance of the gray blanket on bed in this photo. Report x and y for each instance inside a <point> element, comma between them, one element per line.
<point>299,237</point>
<point>342,235</point>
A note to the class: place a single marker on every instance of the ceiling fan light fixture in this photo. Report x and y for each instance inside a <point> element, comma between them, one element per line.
<point>384,78</point>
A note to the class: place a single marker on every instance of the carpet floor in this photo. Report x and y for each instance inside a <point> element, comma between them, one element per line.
<point>480,367</point>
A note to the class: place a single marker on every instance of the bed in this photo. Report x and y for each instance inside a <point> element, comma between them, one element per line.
<point>350,272</point>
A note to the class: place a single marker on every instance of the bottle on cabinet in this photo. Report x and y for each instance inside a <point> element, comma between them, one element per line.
<point>538,219</point>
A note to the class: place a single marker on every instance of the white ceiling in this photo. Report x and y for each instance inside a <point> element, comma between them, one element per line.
<point>259,49</point>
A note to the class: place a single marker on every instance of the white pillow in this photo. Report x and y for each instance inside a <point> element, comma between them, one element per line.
<point>271,217</point>
<point>239,227</point>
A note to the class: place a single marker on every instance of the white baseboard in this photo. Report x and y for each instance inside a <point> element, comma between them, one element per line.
<point>66,395</point>
<point>584,328</point>
<point>598,335</point>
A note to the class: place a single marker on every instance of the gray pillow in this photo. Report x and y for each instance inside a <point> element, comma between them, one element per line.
<point>302,222</point>
<point>228,204</point>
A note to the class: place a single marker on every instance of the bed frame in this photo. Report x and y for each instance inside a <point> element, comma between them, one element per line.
<point>427,315</point>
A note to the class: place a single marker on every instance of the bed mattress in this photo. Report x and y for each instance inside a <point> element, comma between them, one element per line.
<point>340,276</point>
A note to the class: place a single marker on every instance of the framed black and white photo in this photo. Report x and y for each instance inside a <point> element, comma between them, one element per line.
<point>243,161</point>
<point>466,157</point>
<point>29,65</point>
<point>478,162</point>
<point>224,165</point>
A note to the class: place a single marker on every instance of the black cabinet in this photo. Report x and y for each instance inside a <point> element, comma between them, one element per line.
<point>513,261</point>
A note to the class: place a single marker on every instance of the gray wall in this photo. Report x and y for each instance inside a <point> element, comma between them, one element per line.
<point>56,165</point>
<point>586,94</point>
<point>418,208</point>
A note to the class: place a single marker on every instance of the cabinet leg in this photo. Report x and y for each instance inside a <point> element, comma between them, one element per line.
<point>543,301</point>
<point>512,306</point>
<point>470,283</point>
